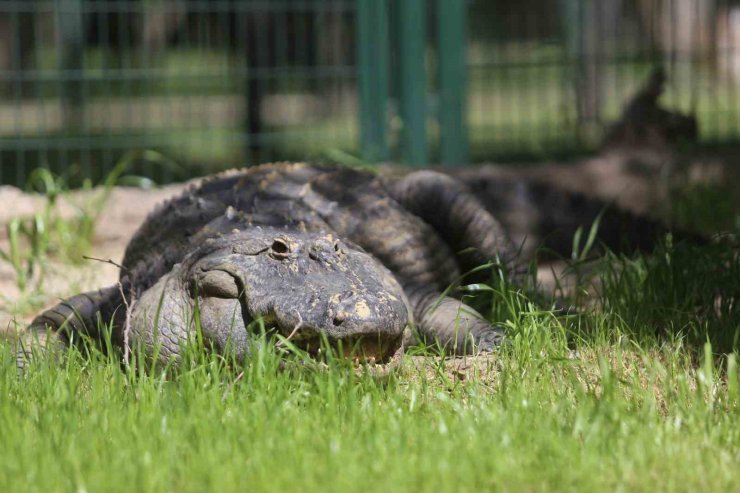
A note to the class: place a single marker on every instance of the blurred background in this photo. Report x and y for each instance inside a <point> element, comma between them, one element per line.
<point>188,87</point>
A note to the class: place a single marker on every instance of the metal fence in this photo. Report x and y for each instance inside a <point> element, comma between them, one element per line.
<point>205,84</point>
<point>548,76</point>
<point>208,84</point>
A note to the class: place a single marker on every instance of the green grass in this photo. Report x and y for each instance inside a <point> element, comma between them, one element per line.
<point>626,396</point>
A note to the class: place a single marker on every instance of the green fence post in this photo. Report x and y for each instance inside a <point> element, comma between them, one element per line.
<point>583,35</point>
<point>412,80</point>
<point>451,44</point>
<point>71,46</point>
<point>373,57</point>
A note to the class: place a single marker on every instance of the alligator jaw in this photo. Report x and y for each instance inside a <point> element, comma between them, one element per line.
<point>361,349</point>
<point>368,349</point>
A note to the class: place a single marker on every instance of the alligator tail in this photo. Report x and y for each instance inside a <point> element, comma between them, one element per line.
<point>545,218</point>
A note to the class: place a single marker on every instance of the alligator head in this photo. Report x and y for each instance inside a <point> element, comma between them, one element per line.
<point>307,287</point>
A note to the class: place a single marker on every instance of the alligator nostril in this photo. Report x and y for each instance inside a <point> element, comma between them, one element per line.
<point>339,318</point>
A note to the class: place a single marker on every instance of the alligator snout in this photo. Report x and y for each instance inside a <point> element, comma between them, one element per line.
<point>354,312</point>
<point>358,325</point>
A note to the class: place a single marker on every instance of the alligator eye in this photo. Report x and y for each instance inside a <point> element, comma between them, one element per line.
<point>279,248</point>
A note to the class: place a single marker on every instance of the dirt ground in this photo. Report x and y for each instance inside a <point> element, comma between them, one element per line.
<point>632,180</point>
<point>121,216</point>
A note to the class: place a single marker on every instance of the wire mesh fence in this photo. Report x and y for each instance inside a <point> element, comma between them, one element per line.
<point>209,84</point>
<point>548,76</point>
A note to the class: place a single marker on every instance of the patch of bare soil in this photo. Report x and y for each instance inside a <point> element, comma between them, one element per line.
<point>121,216</point>
<point>634,371</point>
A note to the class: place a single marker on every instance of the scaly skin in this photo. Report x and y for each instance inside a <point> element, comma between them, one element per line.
<point>541,219</point>
<point>315,252</point>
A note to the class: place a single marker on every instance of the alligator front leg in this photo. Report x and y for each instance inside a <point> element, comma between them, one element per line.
<point>71,320</point>
<point>450,323</point>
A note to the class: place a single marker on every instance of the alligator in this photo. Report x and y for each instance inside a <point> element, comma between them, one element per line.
<point>319,254</point>
<point>646,123</point>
